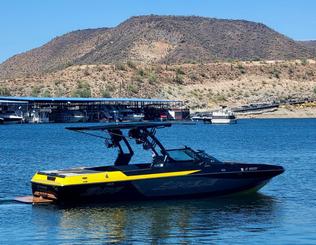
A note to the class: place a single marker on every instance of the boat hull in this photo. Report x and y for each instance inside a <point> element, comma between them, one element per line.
<point>173,187</point>
<point>223,121</point>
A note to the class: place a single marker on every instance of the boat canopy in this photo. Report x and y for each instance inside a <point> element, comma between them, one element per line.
<point>142,132</point>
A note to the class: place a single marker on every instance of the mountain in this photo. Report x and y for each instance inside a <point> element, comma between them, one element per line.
<point>311,44</point>
<point>158,39</point>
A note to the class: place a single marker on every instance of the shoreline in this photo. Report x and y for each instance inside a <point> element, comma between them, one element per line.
<point>282,112</point>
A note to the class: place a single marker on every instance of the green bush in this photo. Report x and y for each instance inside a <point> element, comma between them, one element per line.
<point>57,82</point>
<point>131,64</point>
<point>132,88</point>
<point>46,93</point>
<point>304,62</point>
<point>4,91</point>
<point>193,77</point>
<point>83,90</point>
<point>141,72</point>
<point>221,97</point>
<point>241,68</point>
<point>276,73</point>
<point>179,71</point>
<point>36,91</point>
<point>105,93</point>
<point>315,90</point>
<point>152,78</point>
<point>178,79</point>
<point>120,66</point>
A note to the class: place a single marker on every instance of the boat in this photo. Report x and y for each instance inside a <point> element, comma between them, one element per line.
<point>223,116</point>
<point>70,116</point>
<point>206,117</point>
<point>10,117</point>
<point>172,173</point>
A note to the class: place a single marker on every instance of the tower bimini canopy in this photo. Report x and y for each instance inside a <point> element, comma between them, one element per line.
<point>112,126</point>
<point>142,132</point>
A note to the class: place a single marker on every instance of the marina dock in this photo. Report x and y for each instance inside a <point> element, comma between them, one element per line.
<point>61,110</point>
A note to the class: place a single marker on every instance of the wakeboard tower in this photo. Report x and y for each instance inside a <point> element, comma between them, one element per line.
<point>172,173</point>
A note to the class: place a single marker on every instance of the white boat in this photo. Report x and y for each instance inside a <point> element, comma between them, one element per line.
<point>223,116</point>
<point>201,118</point>
<point>10,117</point>
<point>135,117</point>
<point>40,116</point>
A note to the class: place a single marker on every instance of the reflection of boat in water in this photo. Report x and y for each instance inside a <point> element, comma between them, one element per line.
<point>223,116</point>
<point>159,220</point>
<point>10,117</point>
<point>179,172</point>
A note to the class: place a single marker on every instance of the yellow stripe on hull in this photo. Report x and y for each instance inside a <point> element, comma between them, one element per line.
<point>103,177</point>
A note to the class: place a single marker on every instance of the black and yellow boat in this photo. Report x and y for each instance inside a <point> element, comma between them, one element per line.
<point>172,173</point>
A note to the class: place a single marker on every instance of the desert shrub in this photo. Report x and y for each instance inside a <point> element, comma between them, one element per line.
<point>59,92</point>
<point>203,75</point>
<point>57,82</point>
<point>256,58</point>
<point>103,77</point>
<point>193,77</point>
<point>82,90</point>
<point>36,90</point>
<point>86,72</point>
<point>68,64</point>
<point>105,93</point>
<point>241,68</point>
<point>220,97</point>
<point>315,90</point>
<point>179,71</point>
<point>276,73</point>
<point>99,68</point>
<point>137,78</point>
<point>120,66</point>
<point>304,62</point>
<point>178,79</point>
<point>109,87</point>
<point>46,93</point>
<point>152,78</point>
<point>131,88</point>
<point>4,91</point>
<point>290,71</point>
<point>141,72</point>
<point>131,64</point>
<point>246,95</point>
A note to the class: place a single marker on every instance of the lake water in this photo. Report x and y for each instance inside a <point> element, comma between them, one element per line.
<point>283,212</point>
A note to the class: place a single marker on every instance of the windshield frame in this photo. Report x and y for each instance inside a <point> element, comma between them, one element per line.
<point>188,153</point>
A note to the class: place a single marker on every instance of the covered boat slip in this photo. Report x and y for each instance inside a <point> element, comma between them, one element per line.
<point>54,110</point>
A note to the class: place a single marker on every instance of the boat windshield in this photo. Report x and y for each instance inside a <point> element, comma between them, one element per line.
<point>187,154</point>
<point>181,155</point>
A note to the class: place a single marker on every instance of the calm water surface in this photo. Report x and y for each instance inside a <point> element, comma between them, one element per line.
<point>283,212</point>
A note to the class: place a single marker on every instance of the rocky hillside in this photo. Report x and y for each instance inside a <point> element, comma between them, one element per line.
<point>202,85</point>
<point>311,45</point>
<point>158,40</point>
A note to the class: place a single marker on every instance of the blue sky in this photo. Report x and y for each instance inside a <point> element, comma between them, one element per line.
<point>26,24</point>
